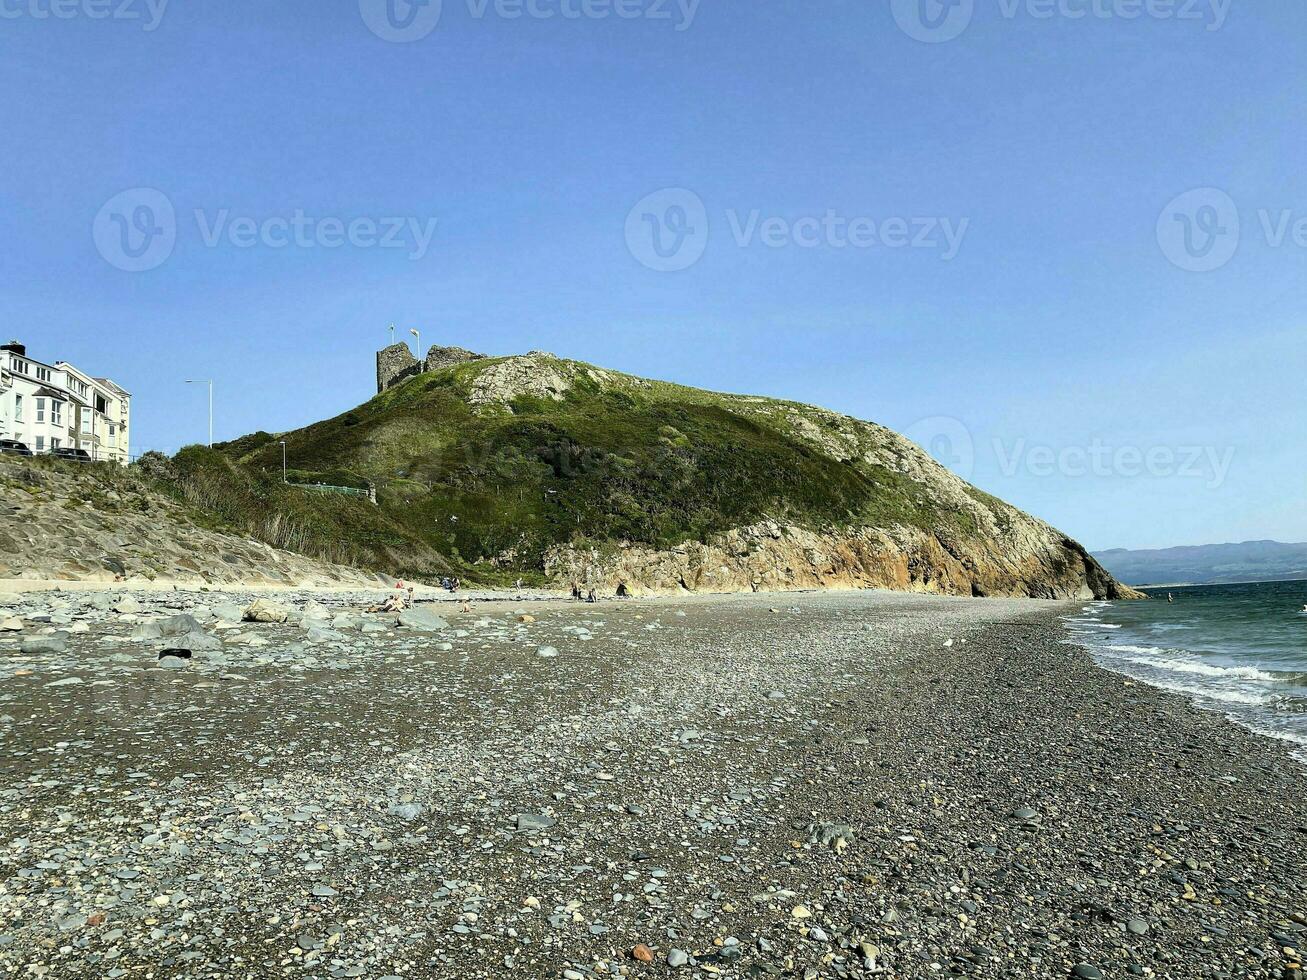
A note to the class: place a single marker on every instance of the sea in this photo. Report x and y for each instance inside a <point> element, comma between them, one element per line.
<point>1237,649</point>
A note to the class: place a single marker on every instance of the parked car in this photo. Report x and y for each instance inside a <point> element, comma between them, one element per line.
<point>14,447</point>
<point>68,452</point>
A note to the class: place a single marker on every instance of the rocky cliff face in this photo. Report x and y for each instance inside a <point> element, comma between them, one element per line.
<point>773,557</point>
<point>1009,553</point>
<point>71,522</point>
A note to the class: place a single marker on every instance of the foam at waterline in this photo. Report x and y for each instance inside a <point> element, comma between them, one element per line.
<point>1213,693</point>
<point>1180,666</point>
<point>1297,738</point>
<point>1160,671</point>
<point>1097,624</point>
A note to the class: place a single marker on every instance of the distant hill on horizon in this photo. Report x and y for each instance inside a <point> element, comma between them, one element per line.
<point>1208,564</point>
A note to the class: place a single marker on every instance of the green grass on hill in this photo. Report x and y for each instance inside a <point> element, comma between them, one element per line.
<point>616,460</point>
<point>255,502</point>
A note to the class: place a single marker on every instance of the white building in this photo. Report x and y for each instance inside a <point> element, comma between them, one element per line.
<point>56,406</point>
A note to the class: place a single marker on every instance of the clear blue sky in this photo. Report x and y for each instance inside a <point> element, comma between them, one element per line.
<point>1060,325</point>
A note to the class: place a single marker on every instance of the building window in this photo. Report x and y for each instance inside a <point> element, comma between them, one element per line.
<point>56,412</point>
<point>18,408</point>
<point>55,443</point>
<point>42,374</point>
<point>86,422</point>
<point>113,435</point>
<point>40,411</point>
<point>40,444</point>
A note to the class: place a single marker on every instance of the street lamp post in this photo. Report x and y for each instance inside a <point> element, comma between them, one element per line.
<point>283,462</point>
<point>210,384</point>
<point>418,337</point>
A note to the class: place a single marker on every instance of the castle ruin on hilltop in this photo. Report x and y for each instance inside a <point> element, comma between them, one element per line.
<point>396,363</point>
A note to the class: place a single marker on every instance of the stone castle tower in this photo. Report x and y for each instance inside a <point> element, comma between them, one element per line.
<point>396,363</point>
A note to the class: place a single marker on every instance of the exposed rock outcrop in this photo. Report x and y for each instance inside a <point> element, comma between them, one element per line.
<point>396,363</point>
<point>443,357</point>
<point>772,557</point>
<point>536,375</point>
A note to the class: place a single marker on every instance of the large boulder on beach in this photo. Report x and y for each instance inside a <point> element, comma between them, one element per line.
<point>314,610</point>
<point>266,611</point>
<point>145,632</point>
<point>43,644</point>
<point>196,642</point>
<point>178,625</point>
<point>422,619</point>
<point>228,612</point>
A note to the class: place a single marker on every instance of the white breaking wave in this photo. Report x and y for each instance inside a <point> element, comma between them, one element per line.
<point>1229,685</point>
<point>1207,670</point>
<point>1224,694</point>
<point>1089,621</point>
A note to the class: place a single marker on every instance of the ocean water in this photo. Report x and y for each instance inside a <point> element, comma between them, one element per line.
<point>1237,649</point>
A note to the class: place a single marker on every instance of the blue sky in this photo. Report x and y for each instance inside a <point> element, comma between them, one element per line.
<point>1066,348</point>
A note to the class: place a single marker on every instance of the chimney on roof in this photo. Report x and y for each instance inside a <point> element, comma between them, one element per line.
<point>15,347</point>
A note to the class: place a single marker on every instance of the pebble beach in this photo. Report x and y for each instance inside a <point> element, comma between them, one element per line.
<point>811,785</point>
